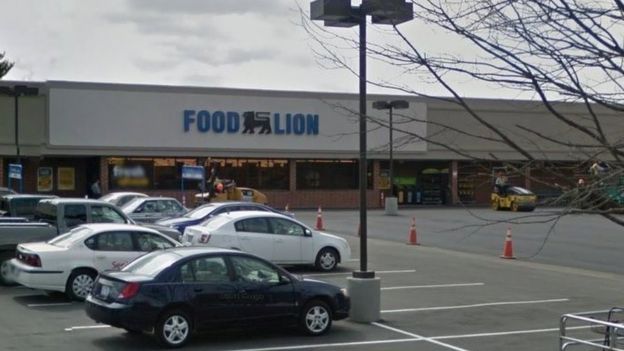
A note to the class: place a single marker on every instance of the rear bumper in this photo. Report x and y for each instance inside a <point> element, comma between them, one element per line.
<point>118,315</point>
<point>37,278</point>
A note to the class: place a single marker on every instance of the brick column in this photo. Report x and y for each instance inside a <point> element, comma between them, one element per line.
<point>103,175</point>
<point>292,175</point>
<point>376,174</point>
<point>454,192</point>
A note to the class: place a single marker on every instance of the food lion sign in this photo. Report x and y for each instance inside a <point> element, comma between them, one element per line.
<point>264,122</point>
<point>202,120</point>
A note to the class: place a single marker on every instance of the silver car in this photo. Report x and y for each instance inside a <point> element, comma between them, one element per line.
<point>151,209</point>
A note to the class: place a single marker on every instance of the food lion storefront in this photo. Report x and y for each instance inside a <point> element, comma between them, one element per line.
<point>299,148</point>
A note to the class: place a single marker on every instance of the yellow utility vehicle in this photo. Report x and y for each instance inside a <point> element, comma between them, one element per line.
<point>232,193</point>
<point>513,198</point>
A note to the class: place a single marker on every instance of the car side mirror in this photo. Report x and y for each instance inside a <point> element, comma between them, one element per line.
<point>308,232</point>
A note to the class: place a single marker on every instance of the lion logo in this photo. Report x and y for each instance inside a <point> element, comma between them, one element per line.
<point>252,119</point>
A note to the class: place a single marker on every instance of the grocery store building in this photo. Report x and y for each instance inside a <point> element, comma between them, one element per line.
<point>299,148</point>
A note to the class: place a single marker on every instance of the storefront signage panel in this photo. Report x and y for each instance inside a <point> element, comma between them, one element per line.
<point>163,119</point>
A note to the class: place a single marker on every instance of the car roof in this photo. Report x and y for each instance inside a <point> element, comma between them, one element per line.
<point>124,193</point>
<point>155,198</point>
<point>29,196</point>
<point>188,251</point>
<point>249,214</point>
<point>56,201</point>
<point>117,226</point>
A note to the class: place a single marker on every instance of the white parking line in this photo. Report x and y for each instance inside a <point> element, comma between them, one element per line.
<point>419,337</point>
<point>432,286</point>
<point>473,305</point>
<point>350,273</point>
<point>514,332</point>
<point>99,326</point>
<point>337,344</point>
<point>49,304</point>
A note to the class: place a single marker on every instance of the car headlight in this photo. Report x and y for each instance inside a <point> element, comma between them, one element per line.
<point>344,291</point>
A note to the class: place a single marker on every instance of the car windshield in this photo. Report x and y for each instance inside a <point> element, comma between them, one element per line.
<point>520,191</point>
<point>215,222</point>
<point>200,212</point>
<point>73,236</point>
<point>151,264</point>
<point>130,206</point>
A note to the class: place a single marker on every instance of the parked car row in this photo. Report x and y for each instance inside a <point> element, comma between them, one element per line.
<point>139,277</point>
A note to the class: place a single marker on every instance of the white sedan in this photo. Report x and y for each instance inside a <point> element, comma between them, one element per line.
<point>273,236</point>
<point>70,262</point>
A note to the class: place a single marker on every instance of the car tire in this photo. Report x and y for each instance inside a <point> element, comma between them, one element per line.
<point>514,207</point>
<point>6,278</point>
<point>327,259</point>
<point>80,283</point>
<point>316,318</point>
<point>173,328</point>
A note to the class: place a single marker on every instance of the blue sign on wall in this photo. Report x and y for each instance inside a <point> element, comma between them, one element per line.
<point>193,172</point>
<point>250,122</point>
<point>15,171</point>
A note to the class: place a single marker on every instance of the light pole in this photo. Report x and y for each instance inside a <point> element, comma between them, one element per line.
<point>16,92</point>
<point>363,286</point>
<point>391,201</point>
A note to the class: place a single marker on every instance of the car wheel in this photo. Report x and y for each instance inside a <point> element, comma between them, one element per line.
<point>80,283</point>
<point>173,328</point>
<point>327,259</point>
<point>6,276</point>
<point>316,318</point>
<point>514,207</point>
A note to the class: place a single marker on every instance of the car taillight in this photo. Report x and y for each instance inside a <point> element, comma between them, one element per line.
<point>129,291</point>
<point>29,259</point>
<point>205,238</point>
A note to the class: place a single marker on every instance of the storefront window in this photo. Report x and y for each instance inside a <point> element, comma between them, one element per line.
<point>327,174</point>
<point>165,173</point>
<point>272,174</point>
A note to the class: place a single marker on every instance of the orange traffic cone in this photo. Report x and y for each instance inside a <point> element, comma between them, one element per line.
<point>413,237</point>
<point>508,248</point>
<point>319,219</point>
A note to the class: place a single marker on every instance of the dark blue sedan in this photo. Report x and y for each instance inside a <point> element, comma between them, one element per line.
<point>178,291</point>
<point>207,211</point>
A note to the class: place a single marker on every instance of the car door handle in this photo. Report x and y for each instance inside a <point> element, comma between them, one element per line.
<point>198,289</point>
<point>246,239</point>
<point>279,241</point>
<point>100,257</point>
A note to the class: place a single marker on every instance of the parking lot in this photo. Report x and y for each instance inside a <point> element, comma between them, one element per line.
<point>432,299</point>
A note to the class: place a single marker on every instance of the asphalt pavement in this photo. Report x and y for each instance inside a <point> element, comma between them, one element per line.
<point>432,298</point>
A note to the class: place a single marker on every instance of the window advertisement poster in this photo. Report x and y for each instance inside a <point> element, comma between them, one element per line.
<point>45,179</point>
<point>66,178</point>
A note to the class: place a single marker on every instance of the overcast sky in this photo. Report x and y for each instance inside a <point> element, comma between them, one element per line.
<point>257,44</point>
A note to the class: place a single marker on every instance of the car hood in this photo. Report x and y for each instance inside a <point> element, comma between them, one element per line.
<point>332,236</point>
<point>307,282</point>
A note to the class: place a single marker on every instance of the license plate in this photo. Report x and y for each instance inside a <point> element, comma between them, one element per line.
<point>104,290</point>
